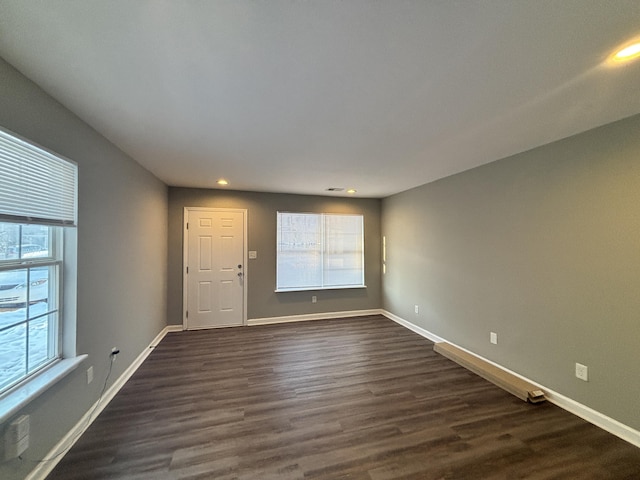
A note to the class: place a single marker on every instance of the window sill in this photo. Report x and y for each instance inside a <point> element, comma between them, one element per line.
<point>15,400</point>
<point>309,289</point>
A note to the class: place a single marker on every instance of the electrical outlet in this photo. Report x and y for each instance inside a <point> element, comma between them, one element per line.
<point>16,437</point>
<point>89,374</point>
<point>314,299</point>
<point>493,338</point>
<point>582,372</point>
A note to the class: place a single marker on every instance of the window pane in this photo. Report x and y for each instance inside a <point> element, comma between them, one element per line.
<point>9,241</point>
<point>35,241</point>
<point>28,301</point>
<point>25,286</point>
<point>343,253</point>
<point>13,289</point>
<point>41,331</point>
<point>39,286</point>
<point>10,317</point>
<point>13,355</point>
<point>299,250</point>
<point>18,241</point>
<point>319,251</point>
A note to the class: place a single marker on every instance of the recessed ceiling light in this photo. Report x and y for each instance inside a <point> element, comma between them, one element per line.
<point>222,181</point>
<point>627,53</point>
<point>352,191</point>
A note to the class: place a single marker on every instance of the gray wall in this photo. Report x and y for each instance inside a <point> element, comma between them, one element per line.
<point>261,273</point>
<point>122,255</point>
<point>542,248</point>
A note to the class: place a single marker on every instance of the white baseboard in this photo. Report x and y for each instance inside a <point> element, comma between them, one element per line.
<point>609,424</point>
<point>414,328</point>
<point>586,413</point>
<point>312,316</point>
<point>64,445</point>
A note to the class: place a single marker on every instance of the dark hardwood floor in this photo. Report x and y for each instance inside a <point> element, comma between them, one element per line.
<point>360,398</point>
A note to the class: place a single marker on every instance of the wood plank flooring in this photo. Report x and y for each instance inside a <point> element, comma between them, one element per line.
<point>359,398</point>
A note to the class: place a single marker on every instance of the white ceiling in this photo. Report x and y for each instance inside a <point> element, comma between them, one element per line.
<point>296,96</point>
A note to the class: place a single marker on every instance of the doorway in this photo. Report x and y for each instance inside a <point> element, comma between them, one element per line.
<point>215,259</point>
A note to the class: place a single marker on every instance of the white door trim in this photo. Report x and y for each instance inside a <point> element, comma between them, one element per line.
<point>185,258</point>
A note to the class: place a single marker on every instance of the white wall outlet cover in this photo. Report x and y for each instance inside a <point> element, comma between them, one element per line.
<point>17,437</point>
<point>253,254</point>
<point>416,309</point>
<point>493,337</point>
<point>582,372</point>
<point>19,428</point>
<point>17,448</point>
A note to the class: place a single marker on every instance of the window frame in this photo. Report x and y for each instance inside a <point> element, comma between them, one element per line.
<point>62,254</point>
<point>326,241</point>
<point>54,261</point>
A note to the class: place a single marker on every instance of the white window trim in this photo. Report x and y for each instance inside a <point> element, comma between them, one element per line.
<point>12,401</point>
<point>321,287</point>
<point>23,394</point>
<point>311,289</point>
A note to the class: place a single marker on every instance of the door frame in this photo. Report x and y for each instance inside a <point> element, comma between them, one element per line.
<point>185,259</point>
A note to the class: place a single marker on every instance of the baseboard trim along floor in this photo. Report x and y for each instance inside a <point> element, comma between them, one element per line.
<point>313,316</point>
<point>592,416</point>
<point>64,445</point>
<point>57,452</point>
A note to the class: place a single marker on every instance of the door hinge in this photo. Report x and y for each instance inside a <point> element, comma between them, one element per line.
<point>187,225</point>
<point>187,270</point>
<point>187,313</point>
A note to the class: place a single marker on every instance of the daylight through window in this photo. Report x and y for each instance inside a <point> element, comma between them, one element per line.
<point>37,201</point>
<point>319,251</point>
<point>29,305</point>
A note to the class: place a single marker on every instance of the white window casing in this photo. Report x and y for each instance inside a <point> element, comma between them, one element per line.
<point>319,251</point>
<point>38,210</point>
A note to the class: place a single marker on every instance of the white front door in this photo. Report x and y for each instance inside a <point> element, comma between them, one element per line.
<point>214,268</point>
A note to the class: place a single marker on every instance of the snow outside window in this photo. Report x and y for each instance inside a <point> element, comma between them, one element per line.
<point>30,263</point>
<point>38,207</point>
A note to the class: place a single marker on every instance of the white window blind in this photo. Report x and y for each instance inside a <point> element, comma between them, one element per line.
<point>319,251</point>
<point>36,186</point>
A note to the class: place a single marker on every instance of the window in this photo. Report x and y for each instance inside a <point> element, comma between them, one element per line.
<point>37,205</point>
<point>30,262</point>
<point>319,251</point>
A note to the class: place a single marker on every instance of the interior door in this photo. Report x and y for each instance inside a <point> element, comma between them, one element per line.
<point>214,268</point>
